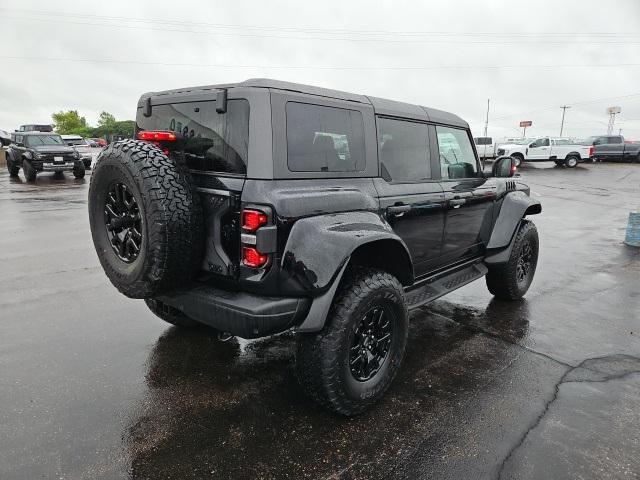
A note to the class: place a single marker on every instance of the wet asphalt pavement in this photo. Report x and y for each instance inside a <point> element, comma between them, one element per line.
<point>92,385</point>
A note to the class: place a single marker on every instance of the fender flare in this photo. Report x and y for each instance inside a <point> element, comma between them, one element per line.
<point>308,266</point>
<point>515,206</point>
<point>318,247</point>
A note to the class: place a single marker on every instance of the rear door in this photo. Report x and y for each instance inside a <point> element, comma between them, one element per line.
<point>468,196</point>
<point>612,147</point>
<point>411,200</point>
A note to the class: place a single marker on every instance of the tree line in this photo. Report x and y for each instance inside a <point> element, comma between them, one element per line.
<point>71,123</point>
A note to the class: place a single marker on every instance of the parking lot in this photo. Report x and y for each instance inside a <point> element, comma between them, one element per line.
<point>92,385</point>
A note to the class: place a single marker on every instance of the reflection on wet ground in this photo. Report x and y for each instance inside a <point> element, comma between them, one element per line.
<point>92,385</point>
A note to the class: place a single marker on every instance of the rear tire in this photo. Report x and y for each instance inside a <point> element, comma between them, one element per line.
<point>146,219</point>
<point>169,314</point>
<point>571,161</point>
<point>348,366</point>
<point>28,170</point>
<point>511,280</point>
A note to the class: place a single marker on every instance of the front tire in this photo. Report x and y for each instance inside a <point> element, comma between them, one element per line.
<point>169,314</point>
<point>11,168</point>
<point>29,172</point>
<point>511,280</point>
<point>348,366</point>
<point>79,170</point>
<point>518,159</point>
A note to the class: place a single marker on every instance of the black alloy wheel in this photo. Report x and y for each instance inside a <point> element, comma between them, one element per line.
<point>123,222</point>
<point>371,343</point>
<point>523,266</point>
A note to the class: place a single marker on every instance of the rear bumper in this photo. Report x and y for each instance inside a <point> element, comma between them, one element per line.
<point>239,313</point>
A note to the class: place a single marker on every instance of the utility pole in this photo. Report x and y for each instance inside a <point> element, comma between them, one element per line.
<point>486,123</point>
<point>564,109</point>
<point>486,128</point>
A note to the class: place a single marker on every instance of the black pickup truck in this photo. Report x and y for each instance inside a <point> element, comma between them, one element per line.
<point>614,148</point>
<point>266,206</point>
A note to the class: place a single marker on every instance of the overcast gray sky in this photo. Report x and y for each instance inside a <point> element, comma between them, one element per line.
<point>527,57</point>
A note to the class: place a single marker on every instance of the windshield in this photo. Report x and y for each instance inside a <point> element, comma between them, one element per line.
<point>38,140</point>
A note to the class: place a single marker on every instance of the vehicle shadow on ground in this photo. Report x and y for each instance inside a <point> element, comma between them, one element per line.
<point>235,410</point>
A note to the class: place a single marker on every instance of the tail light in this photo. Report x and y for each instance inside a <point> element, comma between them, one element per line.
<point>252,220</point>
<point>591,150</point>
<point>157,136</point>
<point>251,257</point>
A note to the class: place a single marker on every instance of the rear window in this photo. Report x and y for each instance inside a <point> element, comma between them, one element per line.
<point>483,140</point>
<point>324,139</point>
<point>210,141</point>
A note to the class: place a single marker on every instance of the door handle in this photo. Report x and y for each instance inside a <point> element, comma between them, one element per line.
<point>398,209</point>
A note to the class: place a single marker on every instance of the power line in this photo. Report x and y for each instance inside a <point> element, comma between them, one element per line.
<point>320,30</point>
<point>316,67</point>
<point>453,41</point>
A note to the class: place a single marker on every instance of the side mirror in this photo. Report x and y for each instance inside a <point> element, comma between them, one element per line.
<point>504,167</point>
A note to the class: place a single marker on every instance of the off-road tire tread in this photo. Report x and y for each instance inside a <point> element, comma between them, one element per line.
<point>317,368</point>
<point>501,278</point>
<point>29,172</point>
<point>11,167</point>
<point>79,172</point>
<point>174,220</point>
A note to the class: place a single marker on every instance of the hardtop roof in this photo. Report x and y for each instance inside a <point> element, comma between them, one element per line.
<point>33,132</point>
<point>380,105</point>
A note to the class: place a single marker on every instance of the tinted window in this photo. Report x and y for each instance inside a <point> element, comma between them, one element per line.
<point>404,150</point>
<point>483,140</point>
<point>614,140</point>
<point>457,159</point>
<point>324,139</point>
<point>210,141</point>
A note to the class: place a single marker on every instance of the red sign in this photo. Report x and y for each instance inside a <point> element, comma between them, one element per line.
<point>526,123</point>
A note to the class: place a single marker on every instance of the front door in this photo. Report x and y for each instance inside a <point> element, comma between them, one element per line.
<point>539,150</point>
<point>411,201</point>
<point>469,197</point>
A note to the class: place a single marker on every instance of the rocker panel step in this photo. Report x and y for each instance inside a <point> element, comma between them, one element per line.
<point>444,284</point>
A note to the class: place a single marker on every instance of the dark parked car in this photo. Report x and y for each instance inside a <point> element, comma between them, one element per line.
<point>39,152</point>
<point>267,206</point>
<point>614,147</point>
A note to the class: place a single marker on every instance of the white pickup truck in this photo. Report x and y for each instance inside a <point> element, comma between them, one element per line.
<point>562,151</point>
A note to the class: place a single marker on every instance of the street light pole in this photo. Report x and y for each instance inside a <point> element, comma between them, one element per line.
<point>564,109</point>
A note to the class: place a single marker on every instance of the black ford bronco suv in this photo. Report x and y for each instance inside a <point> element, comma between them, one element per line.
<point>266,206</point>
<point>42,152</point>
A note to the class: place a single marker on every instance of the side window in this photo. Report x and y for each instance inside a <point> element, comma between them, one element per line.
<point>456,153</point>
<point>544,142</point>
<point>404,150</point>
<point>615,140</point>
<point>324,139</point>
<point>18,138</point>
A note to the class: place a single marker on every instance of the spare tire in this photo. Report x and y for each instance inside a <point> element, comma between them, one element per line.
<point>146,219</point>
